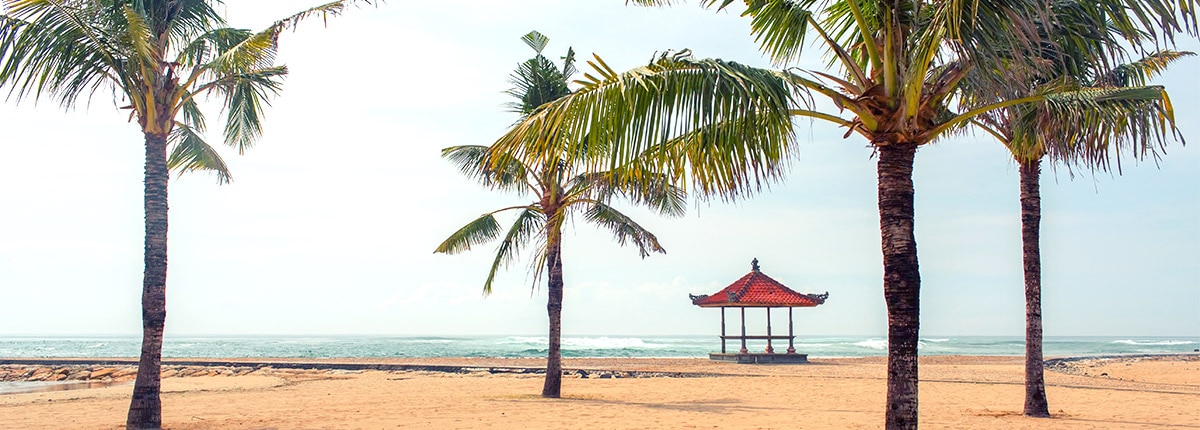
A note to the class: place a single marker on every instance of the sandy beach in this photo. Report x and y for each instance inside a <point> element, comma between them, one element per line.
<point>956,393</point>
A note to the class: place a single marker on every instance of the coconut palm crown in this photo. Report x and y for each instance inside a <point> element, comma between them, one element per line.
<point>157,58</point>
<point>560,188</point>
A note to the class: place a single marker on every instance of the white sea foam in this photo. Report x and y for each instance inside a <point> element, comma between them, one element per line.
<point>523,340</point>
<point>1154,342</point>
<point>935,340</point>
<point>879,344</point>
<point>608,343</point>
<point>602,342</point>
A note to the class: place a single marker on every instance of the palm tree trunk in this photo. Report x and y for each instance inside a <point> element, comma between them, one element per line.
<point>901,281</point>
<point>1031,218</point>
<point>145,409</point>
<point>553,387</point>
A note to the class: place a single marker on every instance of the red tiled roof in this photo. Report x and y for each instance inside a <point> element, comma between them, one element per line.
<point>758,290</point>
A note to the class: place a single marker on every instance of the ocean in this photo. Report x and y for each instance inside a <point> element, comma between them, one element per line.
<point>355,346</point>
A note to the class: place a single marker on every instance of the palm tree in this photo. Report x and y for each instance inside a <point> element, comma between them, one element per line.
<point>560,189</point>
<point>157,56</point>
<point>900,65</point>
<point>1083,119</point>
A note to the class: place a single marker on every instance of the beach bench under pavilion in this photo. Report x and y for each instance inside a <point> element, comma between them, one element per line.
<point>757,290</point>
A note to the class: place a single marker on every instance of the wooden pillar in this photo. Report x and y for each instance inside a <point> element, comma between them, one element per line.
<point>770,349</point>
<point>791,334</point>
<point>722,330</point>
<point>744,350</point>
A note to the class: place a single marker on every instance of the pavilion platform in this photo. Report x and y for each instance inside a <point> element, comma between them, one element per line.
<point>760,358</point>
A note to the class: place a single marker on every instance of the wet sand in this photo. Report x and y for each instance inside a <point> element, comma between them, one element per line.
<point>956,393</point>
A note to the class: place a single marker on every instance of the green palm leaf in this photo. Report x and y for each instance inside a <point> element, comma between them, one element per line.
<point>1088,126</point>
<point>506,173</point>
<point>325,11</point>
<point>47,48</point>
<point>670,97</point>
<point>1138,73</point>
<point>479,231</point>
<point>529,223</point>
<point>256,51</point>
<point>245,96</point>
<point>191,153</point>
<point>623,228</point>
<point>780,27</point>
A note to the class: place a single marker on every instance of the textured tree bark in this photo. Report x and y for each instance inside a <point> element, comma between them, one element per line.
<point>901,281</point>
<point>145,408</point>
<point>1031,218</point>
<point>553,386</point>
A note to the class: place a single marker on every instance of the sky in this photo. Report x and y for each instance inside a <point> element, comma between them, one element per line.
<point>331,220</point>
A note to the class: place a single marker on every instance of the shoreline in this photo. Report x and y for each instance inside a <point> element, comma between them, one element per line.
<point>68,370</point>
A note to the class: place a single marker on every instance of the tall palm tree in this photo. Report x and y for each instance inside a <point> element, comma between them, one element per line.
<point>1088,115</point>
<point>900,65</point>
<point>560,189</point>
<point>157,57</point>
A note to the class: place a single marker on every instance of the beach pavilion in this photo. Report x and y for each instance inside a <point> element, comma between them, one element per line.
<point>757,290</point>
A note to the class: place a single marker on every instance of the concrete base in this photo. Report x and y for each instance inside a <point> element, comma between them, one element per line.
<point>760,358</point>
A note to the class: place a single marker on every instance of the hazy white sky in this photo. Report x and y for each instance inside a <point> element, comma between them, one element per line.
<point>331,221</point>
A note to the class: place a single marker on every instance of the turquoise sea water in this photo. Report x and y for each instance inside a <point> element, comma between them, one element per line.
<point>573,346</point>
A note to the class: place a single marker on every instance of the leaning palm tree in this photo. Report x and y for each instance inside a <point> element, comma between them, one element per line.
<point>560,189</point>
<point>1087,115</point>
<point>157,57</point>
<point>899,66</point>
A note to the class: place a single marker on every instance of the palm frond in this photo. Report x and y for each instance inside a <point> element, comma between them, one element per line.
<point>51,48</point>
<point>529,223</point>
<point>568,68</point>
<point>1139,73</point>
<point>183,20</point>
<point>505,173</point>
<point>245,95</point>
<point>138,35</point>
<point>191,153</point>
<point>192,116</point>
<point>714,164</point>
<point>624,229</point>
<point>853,25</point>
<point>642,187</point>
<point>203,48</point>
<point>536,41</point>
<point>672,96</point>
<point>326,10</point>
<point>536,82</point>
<point>255,51</point>
<point>478,231</point>
<point>1093,126</point>
<point>1155,21</point>
<point>780,27</point>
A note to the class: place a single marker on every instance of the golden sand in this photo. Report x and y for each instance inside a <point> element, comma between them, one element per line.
<point>955,393</point>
